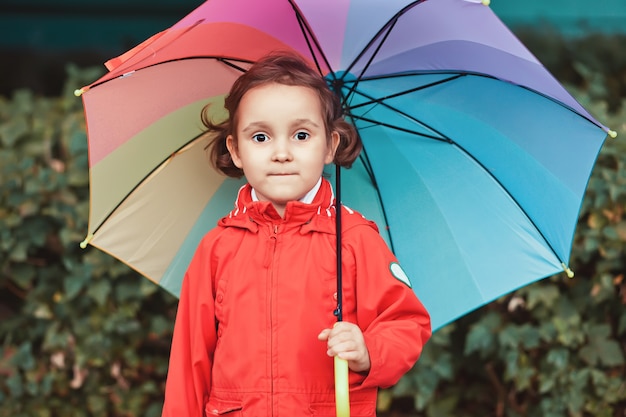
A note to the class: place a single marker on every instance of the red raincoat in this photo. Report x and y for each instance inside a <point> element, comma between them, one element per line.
<point>259,290</point>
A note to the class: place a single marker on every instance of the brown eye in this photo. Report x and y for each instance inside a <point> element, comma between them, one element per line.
<point>302,136</point>
<point>259,137</point>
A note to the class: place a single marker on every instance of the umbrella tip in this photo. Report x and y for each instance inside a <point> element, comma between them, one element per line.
<point>568,271</point>
<point>79,92</point>
<point>612,133</point>
<point>486,2</point>
<point>85,242</point>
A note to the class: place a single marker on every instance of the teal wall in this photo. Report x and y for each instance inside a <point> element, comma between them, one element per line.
<point>39,37</point>
<point>83,24</point>
<point>570,17</point>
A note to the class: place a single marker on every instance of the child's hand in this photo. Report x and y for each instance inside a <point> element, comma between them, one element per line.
<point>346,341</point>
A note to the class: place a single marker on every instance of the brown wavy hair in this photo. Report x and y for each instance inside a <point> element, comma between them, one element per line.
<point>286,69</point>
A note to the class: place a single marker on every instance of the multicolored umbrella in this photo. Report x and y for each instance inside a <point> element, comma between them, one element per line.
<point>475,158</point>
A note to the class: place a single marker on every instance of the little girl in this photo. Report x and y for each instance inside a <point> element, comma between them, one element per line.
<point>254,332</point>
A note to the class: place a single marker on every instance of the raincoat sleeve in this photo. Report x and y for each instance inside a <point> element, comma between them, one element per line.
<point>193,343</point>
<point>394,322</point>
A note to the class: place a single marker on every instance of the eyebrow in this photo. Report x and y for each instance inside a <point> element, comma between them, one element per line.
<point>264,126</point>
<point>304,122</point>
<point>254,126</point>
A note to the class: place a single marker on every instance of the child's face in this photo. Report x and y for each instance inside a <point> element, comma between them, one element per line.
<point>281,142</point>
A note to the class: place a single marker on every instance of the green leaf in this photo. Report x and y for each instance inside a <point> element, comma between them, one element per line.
<point>13,131</point>
<point>541,294</point>
<point>530,336</point>
<point>480,339</point>
<point>427,381</point>
<point>558,357</point>
<point>566,321</point>
<point>56,338</point>
<point>128,290</point>
<point>23,357</point>
<point>19,252</point>
<point>509,336</point>
<point>74,284</point>
<point>161,326</point>
<point>526,335</point>
<point>14,384</point>
<point>154,410</point>
<point>547,382</point>
<point>600,349</point>
<point>99,291</point>
<point>23,274</point>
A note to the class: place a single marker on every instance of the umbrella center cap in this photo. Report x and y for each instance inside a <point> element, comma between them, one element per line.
<point>337,85</point>
<point>340,80</point>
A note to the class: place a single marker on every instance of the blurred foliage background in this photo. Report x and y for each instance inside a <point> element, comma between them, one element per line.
<point>82,335</point>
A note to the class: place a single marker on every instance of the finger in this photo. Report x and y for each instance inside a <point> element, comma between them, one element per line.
<point>338,344</point>
<point>343,347</point>
<point>344,326</point>
<point>343,333</point>
<point>339,335</point>
<point>350,355</point>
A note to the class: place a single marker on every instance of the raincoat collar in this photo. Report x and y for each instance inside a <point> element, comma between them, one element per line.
<point>319,215</point>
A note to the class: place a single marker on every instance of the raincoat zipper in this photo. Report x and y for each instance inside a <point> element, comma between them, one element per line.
<point>272,286</point>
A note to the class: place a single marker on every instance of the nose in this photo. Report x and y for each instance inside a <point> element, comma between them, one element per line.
<point>282,150</point>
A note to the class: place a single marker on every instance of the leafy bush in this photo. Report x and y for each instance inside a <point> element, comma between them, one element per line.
<point>80,333</point>
<point>83,335</point>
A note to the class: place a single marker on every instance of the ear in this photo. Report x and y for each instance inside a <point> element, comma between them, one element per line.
<point>231,144</point>
<point>332,149</point>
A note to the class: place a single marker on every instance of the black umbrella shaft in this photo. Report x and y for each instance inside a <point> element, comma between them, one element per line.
<point>339,310</point>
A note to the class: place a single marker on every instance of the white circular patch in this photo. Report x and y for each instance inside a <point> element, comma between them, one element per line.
<point>398,273</point>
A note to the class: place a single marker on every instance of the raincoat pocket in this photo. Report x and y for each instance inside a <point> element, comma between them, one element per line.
<point>357,409</point>
<point>217,407</point>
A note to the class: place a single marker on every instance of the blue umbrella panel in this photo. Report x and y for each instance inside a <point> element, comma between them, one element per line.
<point>475,183</point>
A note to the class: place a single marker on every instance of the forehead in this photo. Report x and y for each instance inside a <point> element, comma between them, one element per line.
<point>273,89</point>
<point>273,102</point>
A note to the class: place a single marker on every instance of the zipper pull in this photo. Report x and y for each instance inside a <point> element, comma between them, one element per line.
<point>269,249</point>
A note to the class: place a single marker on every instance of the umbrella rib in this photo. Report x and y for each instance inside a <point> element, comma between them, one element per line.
<point>369,61</point>
<point>517,203</point>
<point>310,37</point>
<point>412,90</point>
<point>368,168</point>
<point>460,73</point>
<point>386,29</point>
<point>391,22</point>
<point>230,63</point>
<point>402,129</point>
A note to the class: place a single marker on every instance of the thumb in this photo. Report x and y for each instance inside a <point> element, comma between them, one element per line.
<point>324,334</point>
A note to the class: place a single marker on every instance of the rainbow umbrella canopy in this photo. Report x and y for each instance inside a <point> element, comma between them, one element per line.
<point>475,158</point>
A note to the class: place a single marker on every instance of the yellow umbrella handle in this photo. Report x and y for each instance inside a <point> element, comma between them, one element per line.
<point>342,393</point>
